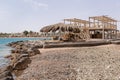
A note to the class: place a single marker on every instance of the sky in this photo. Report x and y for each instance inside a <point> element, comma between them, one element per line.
<point>20,15</point>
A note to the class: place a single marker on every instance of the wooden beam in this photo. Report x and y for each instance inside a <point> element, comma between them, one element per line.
<point>77,20</point>
<point>106,18</point>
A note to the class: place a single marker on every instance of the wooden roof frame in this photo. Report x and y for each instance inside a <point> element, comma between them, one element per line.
<point>77,20</point>
<point>103,18</point>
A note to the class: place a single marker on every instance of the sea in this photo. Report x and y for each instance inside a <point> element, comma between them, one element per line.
<point>5,50</point>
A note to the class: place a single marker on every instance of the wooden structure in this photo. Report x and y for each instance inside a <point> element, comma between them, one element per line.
<point>100,27</point>
<point>82,25</point>
<point>74,28</point>
<point>77,22</point>
<point>103,27</point>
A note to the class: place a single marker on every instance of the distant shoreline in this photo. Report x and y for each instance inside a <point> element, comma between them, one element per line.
<point>24,37</point>
<point>20,37</point>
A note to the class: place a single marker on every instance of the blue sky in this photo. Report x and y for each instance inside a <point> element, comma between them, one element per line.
<point>19,15</point>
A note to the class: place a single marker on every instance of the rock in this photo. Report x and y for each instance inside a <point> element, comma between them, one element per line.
<point>14,58</point>
<point>17,58</point>
<point>22,63</point>
<point>18,47</point>
<point>5,74</point>
<point>36,51</point>
<point>14,44</point>
<point>8,56</point>
<point>37,46</point>
<point>23,50</point>
<point>24,47</point>
<point>32,52</point>
<point>19,63</point>
<point>12,51</point>
<point>15,51</point>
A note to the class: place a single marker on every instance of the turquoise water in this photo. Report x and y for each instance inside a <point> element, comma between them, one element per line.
<point>5,50</point>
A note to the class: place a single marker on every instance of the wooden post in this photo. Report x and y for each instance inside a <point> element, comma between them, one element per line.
<point>98,24</point>
<point>111,34</point>
<point>94,22</point>
<point>103,29</point>
<point>84,25</point>
<point>106,34</point>
<point>103,32</point>
<point>116,29</point>
<point>64,21</point>
<point>89,22</point>
<point>116,34</point>
<point>70,21</point>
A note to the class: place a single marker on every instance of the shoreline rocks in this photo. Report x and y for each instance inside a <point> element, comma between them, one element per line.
<point>21,54</point>
<point>5,73</point>
<point>19,58</point>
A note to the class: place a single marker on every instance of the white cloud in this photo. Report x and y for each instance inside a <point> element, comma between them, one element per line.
<point>36,4</point>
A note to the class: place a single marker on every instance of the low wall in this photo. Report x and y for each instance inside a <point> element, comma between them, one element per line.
<point>75,44</point>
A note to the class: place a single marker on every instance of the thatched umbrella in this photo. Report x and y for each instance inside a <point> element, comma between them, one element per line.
<point>61,27</point>
<point>74,32</point>
<point>46,29</point>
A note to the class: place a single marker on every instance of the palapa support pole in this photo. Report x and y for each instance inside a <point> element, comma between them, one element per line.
<point>103,33</point>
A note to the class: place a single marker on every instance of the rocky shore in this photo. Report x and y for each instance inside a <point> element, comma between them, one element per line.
<point>54,64</point>
<point>19,58</point>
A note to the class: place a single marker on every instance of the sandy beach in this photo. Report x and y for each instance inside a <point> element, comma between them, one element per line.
<point>75,63</point>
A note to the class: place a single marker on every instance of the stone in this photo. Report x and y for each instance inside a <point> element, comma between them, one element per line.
<point>22,51</point>
<point>22,63</point>
<point>33,52</point>
<point>5,74</point>
<point>8,56</point>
